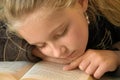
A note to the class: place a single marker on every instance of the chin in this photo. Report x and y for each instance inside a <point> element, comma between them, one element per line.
<point>66,61</point>
<point>62,62</point>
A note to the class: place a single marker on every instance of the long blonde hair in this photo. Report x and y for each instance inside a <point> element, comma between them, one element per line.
<point>108,8</point>
<point>13,10</point>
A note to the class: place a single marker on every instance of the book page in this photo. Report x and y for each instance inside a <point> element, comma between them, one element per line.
<point>52,71</point>
<point>13,70</point>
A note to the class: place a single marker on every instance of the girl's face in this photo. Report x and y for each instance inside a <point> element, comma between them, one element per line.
<point>60,37</point>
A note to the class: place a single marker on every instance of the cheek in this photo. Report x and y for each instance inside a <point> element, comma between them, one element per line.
<point>77,39</point>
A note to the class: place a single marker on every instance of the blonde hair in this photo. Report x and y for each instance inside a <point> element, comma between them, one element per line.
<point>108,8</point>
<point>13,10</point>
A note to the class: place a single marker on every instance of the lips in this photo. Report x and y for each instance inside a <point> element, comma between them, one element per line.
<point>71,55</point>
<point>68,58</point>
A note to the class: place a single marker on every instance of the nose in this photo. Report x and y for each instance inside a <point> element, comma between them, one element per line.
<point>59,51</point>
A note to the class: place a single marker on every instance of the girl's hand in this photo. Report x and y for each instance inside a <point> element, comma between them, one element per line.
<point>96,62</point>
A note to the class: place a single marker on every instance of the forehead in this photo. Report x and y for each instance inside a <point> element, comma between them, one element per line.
<point>45,16</point>
<point>39,25</point>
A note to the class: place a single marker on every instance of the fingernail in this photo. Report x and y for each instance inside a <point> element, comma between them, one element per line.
<point>81,68</point>
<point>65,68</point>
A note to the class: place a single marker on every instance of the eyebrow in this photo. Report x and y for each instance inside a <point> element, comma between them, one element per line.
<point>52,32</point>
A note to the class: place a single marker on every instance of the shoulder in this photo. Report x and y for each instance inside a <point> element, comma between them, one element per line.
<point>3,28</point>
<point>9,42</point>
<point>102,33</point>
<point>2,25</point>
<point>103,26</point>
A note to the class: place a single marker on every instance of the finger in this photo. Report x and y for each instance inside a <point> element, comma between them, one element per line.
<point>84,64</point>
<point>99,72</point>
<point>91,68</point>
<point>74,64</point>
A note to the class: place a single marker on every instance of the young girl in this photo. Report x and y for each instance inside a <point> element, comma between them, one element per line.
<point>78,33</point>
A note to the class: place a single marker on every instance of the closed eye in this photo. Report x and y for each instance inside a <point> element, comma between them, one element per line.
<point>61,32</point>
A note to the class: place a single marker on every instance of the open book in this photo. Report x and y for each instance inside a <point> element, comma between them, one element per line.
<point>43,70</point>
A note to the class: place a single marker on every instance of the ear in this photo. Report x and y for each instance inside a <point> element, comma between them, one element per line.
<point>84,4</point>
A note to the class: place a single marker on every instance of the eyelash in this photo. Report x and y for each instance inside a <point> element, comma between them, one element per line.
<point>57,36</point>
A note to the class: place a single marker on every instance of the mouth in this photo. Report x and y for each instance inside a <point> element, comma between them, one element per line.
<point>71,55</point>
